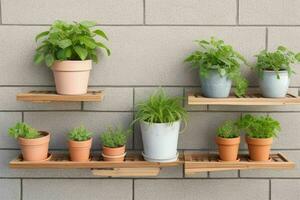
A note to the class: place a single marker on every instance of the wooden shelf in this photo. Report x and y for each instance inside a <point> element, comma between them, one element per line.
<point>203,162</point>
<point>251,99</point>
<point>51,96</point>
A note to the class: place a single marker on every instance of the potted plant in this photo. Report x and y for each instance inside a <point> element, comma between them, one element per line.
<point>69,49</point>
<point>160,117</point>
<point>274,70</point>
<point>113,144</point>
<point>228,141</point>
<point>260,131</point>
<point>218,65</point>
<point>80,143</point>
<point>34,144</point>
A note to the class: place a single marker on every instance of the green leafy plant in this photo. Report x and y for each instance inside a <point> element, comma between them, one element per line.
<point>23,130</point>
<point>216,55</point>
<point>160,108</point>
<point>228,130</point>
<point>69,41</point>
<point>79,134</point>
<point>259,126</point>
<point>281,59</point>
<point>115,137</point>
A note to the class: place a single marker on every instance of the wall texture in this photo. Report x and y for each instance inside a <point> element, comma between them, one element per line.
<point>149,40</point>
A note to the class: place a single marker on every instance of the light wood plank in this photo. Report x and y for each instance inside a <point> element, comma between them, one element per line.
<point>126,172</point>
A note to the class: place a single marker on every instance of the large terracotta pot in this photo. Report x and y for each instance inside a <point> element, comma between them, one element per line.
<point>35,149</point>
<point>113,154</point>
<point>228,148</point>
<point>80,150</point>
<point>259,148</point>
<point>71,77</point>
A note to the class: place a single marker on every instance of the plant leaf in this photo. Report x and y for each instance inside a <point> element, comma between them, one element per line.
<point>42,34</point>
<point>64,43</point>
<point>88,23</point>
<point>81,52</point>
<point>104,47</point>
<point>38,58</point>
<point>101,33</point>
<point>49,59</point>
<point>88,42</point>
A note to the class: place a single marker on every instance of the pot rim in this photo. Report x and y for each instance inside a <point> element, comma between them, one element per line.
<point>148,123</point>
<point>228,141</point>
<point>80,144</point>
<point>35,141</point>
<point>124,146</point>
<point>259,141</point>
<point>71,65</point>
<point>118,156</point>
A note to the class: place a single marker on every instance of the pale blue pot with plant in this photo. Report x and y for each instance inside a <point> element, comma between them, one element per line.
<point>214,85</point>
<point>273,86</point>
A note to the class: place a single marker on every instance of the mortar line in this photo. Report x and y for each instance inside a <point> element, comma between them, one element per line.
<point>267,38</point>
<point>237,12</point>
<point>270,190</point>
<point>21,188</point>
<point>22,117</point>
<point>133,183</point>
<point>133,117</point>
<point>1,12</point>
<point>144,12</point>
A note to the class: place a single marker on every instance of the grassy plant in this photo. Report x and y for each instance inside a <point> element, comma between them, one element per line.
<point>216,55</point>
<point>23,130</point>
<point>228,130</point>
<point>281,59</point>
<point>160,108</point>
<point>69,41</point>
<point>259,126</point>
<point>115,137</point>
<point>79,134</point>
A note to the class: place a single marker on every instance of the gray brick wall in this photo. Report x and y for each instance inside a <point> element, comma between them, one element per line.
<point>149,40</point>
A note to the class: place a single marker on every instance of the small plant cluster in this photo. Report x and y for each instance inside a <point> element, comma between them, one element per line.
<point>23,130</point>
<point>259,126</point>
<point>253,126</point>
<point>228,130</point>
<point>79,134</point>
<point>281,59</point>
<point>160,108</point>
<point>115,137</point>
<point>216,55</point>
<point>69,41</point>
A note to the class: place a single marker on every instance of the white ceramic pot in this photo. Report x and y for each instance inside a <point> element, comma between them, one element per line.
<point>160,141</point>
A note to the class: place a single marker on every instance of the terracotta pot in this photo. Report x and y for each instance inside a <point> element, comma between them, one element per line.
<point>259,148</point>
<point>80,150</point>
<point>228,148</point>
<point>113,154</point>
<point>71,77</point>
<point>35,149</point>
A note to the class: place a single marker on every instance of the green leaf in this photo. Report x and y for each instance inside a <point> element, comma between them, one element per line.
<point>101,33</point>
<point>88,42</point>
<point>81,52</point>
<point>38,58</point>
<point>64,43</point>
<point>88,23</point>
<point>104,47</point>
<point>49,59</point>
<point>298,56</point>
<point>42,34</point>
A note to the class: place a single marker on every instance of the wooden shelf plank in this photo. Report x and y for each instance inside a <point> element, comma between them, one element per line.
<point>51,96</point>
<point>251,99</point>
<point>127,172</point>
<point>61,160</point>
<point>203,162</point>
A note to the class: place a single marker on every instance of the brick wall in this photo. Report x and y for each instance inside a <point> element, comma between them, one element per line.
<point>149,40</point>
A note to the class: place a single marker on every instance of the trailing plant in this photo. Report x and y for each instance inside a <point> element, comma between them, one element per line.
<point>115,137</point>
<point>281,59</point>
<point>79,134</point>
<point>23,130</point>
<point>216,55</point>
<point>160,108</point>
<point>69,41</point>
<point>259,126</point>
<point>228,130</point>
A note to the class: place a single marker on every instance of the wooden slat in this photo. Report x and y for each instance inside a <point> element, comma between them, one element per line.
<point>251,99</point>
<point>60,160</point>
<point>195,165</point>
<point>51,96</point>
<point>127,172</point>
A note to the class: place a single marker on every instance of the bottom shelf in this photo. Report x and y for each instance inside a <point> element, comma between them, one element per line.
<point>134,164</point>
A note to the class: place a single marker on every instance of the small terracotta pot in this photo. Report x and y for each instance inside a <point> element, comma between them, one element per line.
<point>259,148</point>
<point>35,149</point>
<point>80,150</point>
<point>72,77</point>
<point>113,154</point>
<point>228,148</point>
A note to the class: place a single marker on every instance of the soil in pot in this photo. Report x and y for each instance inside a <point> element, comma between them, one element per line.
<point>271,86</point>
<point>113,154</point>
<point>259,148</point>
<point>228,148</point>
<point>214,85</point>
<point>80,150</point>
<point>71,77</point>
<point>35,149</point>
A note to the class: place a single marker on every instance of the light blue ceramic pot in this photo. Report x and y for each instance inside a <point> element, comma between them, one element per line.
<point>214,85</point>
<point>271,86</point>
